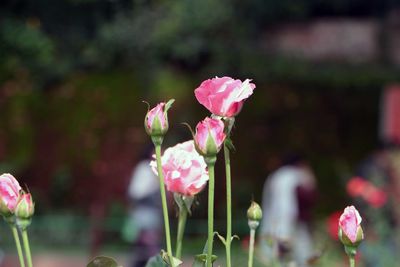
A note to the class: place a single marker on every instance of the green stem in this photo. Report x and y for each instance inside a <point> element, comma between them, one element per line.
<point>251,247</point>
<point>18,245</point>
<point>352,261</point>
<point>228,238</point>
<point>181,229</point>
<point>164,204</point>
<point>26,247</point>
<point>210,214</point>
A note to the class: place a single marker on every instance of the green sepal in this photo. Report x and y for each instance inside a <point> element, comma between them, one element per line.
<point>168,105</point>
<point>23,223</point>
<point>229,144</point>
<point>165,257</point>
<point>351,251</point>
<point>229,122</point>
<point>221,238</point>
<point>184,202</point>
<point>235,236</point>
<point>189,127</point>
<point>346,240</point>
<point>200,260</point>
<point>10,219</point>
<point>103,261</point>
<point>148,105</point>
<point>211,146</point>
<point>4,210</point>
<point>203,258</point>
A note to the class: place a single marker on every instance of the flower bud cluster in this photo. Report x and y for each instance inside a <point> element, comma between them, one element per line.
<point>13,200</point>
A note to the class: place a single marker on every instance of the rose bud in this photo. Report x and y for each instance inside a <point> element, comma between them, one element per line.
<point>156,120</point>
<point>350,231</point>
<point>209,136</point>
<point>24,211</point>
<point>25,207</point>
<point>254,215</point>
<point>224,96</point>
<point>9,194</point>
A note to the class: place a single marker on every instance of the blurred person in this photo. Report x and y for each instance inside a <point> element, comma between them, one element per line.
<point>146,211</point>
<point>288,197</point>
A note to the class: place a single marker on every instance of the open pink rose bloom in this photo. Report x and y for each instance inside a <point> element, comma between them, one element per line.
<point>210,128</point>
<point>9,190</point>
<point>185,171</point>
<point>349,222</point>
<point>224,96</point>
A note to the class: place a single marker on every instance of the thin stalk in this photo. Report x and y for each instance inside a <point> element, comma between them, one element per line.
<point>352,261</point>
<point>181,229</point>
<point>210,214</point>
<point>27,249</point>
<point>228,238</point>
<point>18,245</point>
<point>164,204</point>
<point>251,247</point>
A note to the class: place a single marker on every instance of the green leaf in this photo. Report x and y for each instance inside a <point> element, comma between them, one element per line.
<point>156,261</point>
<point>221,238</point>
<point>102,261</point>
<point>235,236</point>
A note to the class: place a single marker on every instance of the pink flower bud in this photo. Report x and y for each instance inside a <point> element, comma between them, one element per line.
<point>25,207</point>
<point>9,194</point>
<point>185,171</point>
<point>350,231</point>
<point>156,120</point>
<point>224,96</point>
<point>209,136</point>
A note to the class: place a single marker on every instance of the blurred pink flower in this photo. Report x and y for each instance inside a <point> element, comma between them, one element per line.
<point>9,193</point>
<point>224,96</point>
<point>209,136</point>
<point>349,223</point>
<point>356,186</point>
<point>156,122</point>
<point>359,187</point>
<point>185,171</point>
<point>376,197</point>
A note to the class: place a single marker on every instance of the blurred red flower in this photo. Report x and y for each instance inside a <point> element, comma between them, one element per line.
<point>332,224</point>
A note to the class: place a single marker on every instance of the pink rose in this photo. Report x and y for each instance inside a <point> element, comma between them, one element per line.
<point>209,136</point>
<point>9,193</point>
<point>185,171</point>
<point>224,96</point>
<point>25,207</point>
<point>349,226</point>
<point>156,120</point>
